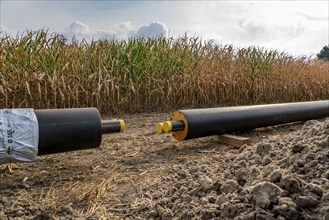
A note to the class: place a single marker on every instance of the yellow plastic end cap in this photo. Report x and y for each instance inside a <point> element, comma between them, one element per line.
<point>167,126</point>
<point>159,128</point>
<point>122,125</point>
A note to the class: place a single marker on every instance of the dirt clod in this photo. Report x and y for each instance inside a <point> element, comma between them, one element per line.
<point>265,194</point>
<point>275,176</point>
<point>229,186</point>
<point>307,201</point>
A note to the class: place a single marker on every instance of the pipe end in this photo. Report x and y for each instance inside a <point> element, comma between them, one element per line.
<point>167,126</point>
<point>159,128</point>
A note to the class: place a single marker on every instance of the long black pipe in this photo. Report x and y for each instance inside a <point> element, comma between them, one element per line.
<point>212,121</point>
<point>62,130</point>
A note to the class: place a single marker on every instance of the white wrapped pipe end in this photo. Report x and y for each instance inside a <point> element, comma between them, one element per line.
<point>19,135</point>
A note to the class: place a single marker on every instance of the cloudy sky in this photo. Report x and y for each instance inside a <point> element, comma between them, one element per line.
<point>296,27</point>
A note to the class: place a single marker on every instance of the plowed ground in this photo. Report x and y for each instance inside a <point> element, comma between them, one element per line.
<point>108,182</point>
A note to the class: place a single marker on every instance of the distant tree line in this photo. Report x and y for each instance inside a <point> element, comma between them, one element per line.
<point>324,53</point>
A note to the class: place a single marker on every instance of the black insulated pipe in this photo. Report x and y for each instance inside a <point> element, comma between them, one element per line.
<point>62,130</point>
<point>213,121</point>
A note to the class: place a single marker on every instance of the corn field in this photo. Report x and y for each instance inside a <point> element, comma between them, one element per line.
<point>42,70</point>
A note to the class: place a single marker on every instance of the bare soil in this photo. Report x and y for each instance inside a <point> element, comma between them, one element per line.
<point>142,175</point>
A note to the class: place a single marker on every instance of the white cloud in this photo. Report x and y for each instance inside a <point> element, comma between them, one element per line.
<point>81,31</point>
<point>124,30</point>
<point>276,24</point>
<point>155,29</point>
<point>78,30</point>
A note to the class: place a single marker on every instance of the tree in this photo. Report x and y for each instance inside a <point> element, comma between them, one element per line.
<point>324,53</point>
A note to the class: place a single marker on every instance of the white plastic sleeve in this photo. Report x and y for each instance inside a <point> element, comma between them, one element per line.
<point>19,135</point>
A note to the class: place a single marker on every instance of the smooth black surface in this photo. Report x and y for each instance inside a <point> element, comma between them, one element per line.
<point>212,121</point>
<point>110,126</point>
<point>177,125</point>
<point>62,130</point>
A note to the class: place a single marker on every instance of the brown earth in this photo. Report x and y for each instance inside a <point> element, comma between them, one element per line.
<point>141,175</point>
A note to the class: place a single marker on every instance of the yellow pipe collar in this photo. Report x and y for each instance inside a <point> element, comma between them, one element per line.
<point>122,125</point>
